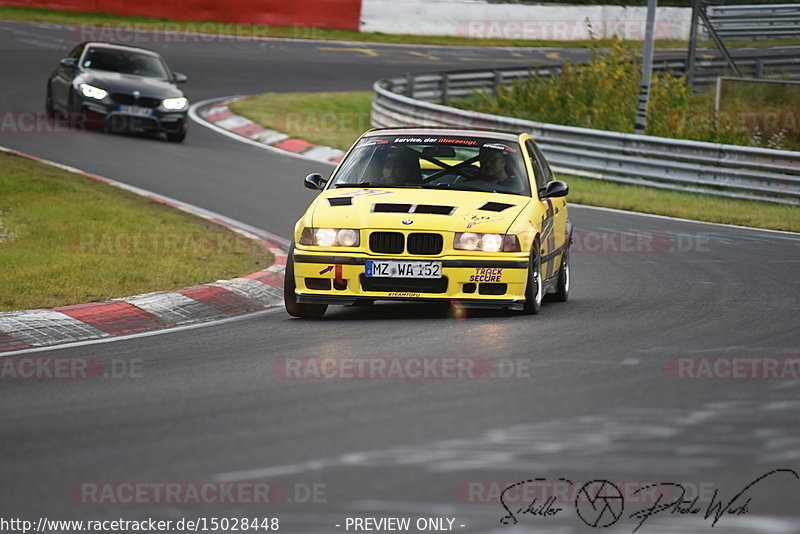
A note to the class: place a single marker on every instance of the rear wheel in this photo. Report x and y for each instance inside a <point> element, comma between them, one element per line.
<point>562,287</point>
<point>534,290</point>
<point>294,308</point>
<point>48,101</point>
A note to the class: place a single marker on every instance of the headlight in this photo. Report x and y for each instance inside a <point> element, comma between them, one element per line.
<point>90,91</point>
<point>486,242</point>
<point>330,237</point>
<point>174,104</point>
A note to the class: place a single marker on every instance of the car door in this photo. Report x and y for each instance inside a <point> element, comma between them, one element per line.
<point>62,82</point>
<point>554,225</point>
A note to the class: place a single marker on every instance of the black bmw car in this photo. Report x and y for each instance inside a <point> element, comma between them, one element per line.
<point>124,88</point>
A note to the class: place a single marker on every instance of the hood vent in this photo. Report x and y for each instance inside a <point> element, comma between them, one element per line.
<point>436,210</point>
<point>391,208</point>
<point>413,208</point>
<point>341,201</point>
<point>495,206</point>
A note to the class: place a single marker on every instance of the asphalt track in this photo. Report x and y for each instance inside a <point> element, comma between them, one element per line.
<point>589,394</point>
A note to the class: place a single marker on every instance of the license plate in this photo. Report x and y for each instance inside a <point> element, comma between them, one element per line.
<point>138,111</point>
<point>404,269</point>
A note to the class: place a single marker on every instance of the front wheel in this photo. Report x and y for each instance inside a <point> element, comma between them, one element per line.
<point>534,290</point>
<point>294,308</point>
<point>178,136</point>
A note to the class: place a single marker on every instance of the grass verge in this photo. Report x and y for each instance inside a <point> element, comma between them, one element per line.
<point>68,239</point>
<point>255,30</point>
<point>330,118</point>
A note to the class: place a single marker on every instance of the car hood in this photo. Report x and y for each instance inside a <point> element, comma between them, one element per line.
<point>456,211</point>
<point>114,82</point>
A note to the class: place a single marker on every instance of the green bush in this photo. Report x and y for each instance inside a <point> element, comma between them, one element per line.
<point>602,94</point>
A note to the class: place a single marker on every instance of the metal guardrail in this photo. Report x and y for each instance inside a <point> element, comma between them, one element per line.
<point>761,21</point>
<point>676,164</point>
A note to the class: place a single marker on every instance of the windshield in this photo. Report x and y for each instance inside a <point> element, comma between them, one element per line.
<point>432,161</point>
<point>124,62</point>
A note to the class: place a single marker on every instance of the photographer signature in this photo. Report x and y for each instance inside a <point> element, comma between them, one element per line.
<point>600,503</point>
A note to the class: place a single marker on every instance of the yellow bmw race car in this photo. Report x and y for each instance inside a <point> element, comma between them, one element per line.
<point>426,214</point>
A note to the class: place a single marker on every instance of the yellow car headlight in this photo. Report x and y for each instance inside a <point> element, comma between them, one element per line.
<point>330,237</point>
<point>486,242</point>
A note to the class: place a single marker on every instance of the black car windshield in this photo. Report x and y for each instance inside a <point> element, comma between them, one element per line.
<point>124,62</point>
<point>436,162</point>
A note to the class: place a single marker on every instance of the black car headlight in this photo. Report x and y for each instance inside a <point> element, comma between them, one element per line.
<point>175,104</point>
<point>90,91</point>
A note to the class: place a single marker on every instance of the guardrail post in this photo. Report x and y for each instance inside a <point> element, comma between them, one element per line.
<point>410,85</point>
<point>759,73</point>
<point>445,88</point>
<point>498,79</point>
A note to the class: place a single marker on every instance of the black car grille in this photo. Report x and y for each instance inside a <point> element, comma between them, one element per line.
<point>386,242</point>
<point>425,243</point>
<point>404,285</point>
<point>395,243</point>
<point>130,100</point>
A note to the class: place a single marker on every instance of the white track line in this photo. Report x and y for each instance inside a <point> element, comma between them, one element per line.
<point>148,333</point>
<point>202,122</point>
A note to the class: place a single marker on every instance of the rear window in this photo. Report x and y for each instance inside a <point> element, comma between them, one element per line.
<point>440,162</point>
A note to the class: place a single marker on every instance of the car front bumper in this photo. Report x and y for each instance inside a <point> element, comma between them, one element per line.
<point>157,121</point>
<point>323,278</point>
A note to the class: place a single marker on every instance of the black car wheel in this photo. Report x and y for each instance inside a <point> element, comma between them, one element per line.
<point>178,136</point>
<point>48,101</point>
<point>534,290</point>
<point>293,308</point>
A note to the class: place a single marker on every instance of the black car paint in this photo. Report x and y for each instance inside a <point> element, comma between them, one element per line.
<point>123,89</point>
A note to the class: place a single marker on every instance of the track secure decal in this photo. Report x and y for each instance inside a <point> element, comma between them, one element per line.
<point>486,275</point>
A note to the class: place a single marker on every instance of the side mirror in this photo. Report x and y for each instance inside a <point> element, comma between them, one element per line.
<point>179,78</point>
<point>554,189</point>
<point>315,181</point>
<point>69,62</point>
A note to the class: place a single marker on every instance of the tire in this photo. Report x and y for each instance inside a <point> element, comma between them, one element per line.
<point>534,291</point>
<point>48,102</point>
<point>178,136</point>
<point>562,287</point>
<point>293,308</point>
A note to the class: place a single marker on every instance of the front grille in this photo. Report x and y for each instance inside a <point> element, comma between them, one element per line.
<point>386,242</point>
<point>129,100</point>
<point>425,244</point>
<point>404,285</point>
